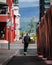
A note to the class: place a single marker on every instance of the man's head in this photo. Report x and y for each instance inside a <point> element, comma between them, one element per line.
<point>26,34</point>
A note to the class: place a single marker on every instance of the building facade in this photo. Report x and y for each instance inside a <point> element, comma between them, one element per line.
<point>44,5</point>
<point>8,20</point>
<point>17,20</point>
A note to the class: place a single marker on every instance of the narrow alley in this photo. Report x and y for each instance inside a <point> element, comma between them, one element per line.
<point>30,19</point>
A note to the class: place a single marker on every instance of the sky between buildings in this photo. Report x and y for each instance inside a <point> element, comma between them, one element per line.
<point>28,9</point>
<point>28,3</point>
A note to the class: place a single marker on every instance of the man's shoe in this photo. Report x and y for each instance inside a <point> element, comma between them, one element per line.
<point>25,53</point>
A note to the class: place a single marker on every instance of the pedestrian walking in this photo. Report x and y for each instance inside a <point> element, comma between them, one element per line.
<point>26,43</point>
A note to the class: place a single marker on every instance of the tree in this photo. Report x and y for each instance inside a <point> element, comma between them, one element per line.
<point>31,25</point>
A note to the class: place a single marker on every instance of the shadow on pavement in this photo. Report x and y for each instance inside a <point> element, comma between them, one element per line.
<point>26,60</point>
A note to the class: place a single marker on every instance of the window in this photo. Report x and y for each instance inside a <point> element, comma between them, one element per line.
<point>47,1</point>
<point>3,10</point>
<point>15,1</point>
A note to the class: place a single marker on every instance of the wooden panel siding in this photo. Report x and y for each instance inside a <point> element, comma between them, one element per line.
<point>44,35</point>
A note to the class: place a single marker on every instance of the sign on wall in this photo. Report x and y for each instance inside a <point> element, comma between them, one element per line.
<point>8,22</point>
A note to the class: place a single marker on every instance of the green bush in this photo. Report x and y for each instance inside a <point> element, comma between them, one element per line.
<point>34,36</point>
<point>32,41</point>
<point>21,33</point>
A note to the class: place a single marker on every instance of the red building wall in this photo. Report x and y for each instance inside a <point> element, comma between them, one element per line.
<point>4,17</point>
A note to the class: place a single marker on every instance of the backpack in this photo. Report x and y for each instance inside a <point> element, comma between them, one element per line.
<point>26,39</point>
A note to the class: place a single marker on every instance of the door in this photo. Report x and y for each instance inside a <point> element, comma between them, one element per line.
<point>2,30</point>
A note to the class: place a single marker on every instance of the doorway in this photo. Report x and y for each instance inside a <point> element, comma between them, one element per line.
<point>2,30</point>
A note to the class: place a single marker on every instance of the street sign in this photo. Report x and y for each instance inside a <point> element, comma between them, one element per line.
<point>8,22</point>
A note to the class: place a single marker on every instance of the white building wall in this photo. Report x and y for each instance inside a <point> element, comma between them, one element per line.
<point>16,13</point>
<point>4,1</point>
<point>17,28</point>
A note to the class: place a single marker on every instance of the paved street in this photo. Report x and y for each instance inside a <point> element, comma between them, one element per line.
<point>16,45</point>
<point>6,55</point>
<point>26,60</point>
<point>16,49</point>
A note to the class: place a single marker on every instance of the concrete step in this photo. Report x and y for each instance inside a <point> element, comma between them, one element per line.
<point>3,41</point>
